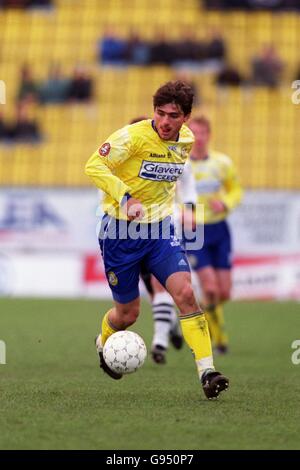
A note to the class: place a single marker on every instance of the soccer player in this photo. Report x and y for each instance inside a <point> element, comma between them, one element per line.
<point>137,167</point>
<point>219,191</point>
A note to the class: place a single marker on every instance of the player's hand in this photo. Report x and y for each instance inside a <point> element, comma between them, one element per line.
<point>217,206</point>
<point>133,209</point>
<point>188,219</point>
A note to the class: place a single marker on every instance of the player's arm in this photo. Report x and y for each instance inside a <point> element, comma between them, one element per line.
<point>100,166</point>
<point>233,191</point>
<point>187,186</point>
<point>233,188</point>
<point>187,195</point>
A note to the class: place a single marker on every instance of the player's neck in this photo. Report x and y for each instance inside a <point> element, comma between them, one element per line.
<point>199,154</point>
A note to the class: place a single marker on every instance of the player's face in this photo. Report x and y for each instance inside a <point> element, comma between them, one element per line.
<point>168,120</point>
<point>201,134</point>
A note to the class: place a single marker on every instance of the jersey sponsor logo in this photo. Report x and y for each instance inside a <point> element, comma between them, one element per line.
<point>104,149</point>
<point>112,278</point>
<point>158,171</point>
<point>157,155</point>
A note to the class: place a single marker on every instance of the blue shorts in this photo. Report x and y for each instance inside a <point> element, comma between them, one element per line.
<point>150,246</point>
<point>216,250</point>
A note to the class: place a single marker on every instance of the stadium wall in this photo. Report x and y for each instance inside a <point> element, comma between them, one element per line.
<point>48,244</point>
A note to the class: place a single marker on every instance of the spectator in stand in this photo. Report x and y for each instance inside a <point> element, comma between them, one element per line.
<point>43,4</point>
<point>56,88</point>
<point>25,129</point>
<point>138,51</point>
<point>267,68</point>
<point>112,49</point>
<point>161,50</point>
<point>81,86</point>
<point>3,128</point>
<point>229,76</point>
<point>216,47</point>
<point>28,89</point>
<point>187,49</point>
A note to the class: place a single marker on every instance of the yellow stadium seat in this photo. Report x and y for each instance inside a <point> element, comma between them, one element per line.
<point>253,126</point>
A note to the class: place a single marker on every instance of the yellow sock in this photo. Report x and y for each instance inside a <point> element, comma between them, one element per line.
<point>212,324</point>
<point>222,338</point>
<point>107,328</point>
<point>196,334</point>
<point>216,324</point>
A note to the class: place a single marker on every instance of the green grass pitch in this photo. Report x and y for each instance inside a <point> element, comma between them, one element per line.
<point>54,396</point>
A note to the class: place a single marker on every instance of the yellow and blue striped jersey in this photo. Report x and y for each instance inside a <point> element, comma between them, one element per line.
<point>136,160</point>
<point>216,178</point>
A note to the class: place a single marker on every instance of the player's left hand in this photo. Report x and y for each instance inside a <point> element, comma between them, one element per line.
<point>134,209</point>
<point>217,206</point>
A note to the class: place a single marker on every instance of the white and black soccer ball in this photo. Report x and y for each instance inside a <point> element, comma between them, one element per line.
<point>124,352</point>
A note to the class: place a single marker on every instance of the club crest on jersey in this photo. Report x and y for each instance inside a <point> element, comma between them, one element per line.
<point>104,149</point>
<point>182,152</point>
<point>159,171</point>
<point>112,278</point>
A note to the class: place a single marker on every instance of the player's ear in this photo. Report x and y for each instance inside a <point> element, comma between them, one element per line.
<point>187,117</point>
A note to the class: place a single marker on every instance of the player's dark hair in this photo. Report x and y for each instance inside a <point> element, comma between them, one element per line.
<point>201,121</point>
<point>177,92</point>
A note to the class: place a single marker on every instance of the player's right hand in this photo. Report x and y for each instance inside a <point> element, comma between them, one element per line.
<point>133,209</point>
<point>188,219</point>
<point>217,206</point>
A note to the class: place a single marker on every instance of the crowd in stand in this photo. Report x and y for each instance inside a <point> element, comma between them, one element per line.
<point>56,89</point>
<point>115,50</point>
<point>189,53</point>
<point>26,3</point>
<point>266,67</point>
<point>266,70</point>
<point>23,130</point>
<point>253,4</point>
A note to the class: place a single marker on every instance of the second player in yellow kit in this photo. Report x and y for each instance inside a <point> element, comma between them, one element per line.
<point>219,192</point>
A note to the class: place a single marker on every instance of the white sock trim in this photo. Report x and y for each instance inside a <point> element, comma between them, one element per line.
<point>99,346</point>
<point>204,364</point>
<point>162,308</point>
<point>162,298</point>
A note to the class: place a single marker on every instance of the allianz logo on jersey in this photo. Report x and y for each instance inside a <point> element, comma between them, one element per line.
<point>158,171</point>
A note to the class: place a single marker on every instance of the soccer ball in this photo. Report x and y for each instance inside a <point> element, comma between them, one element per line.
<point>124,352</point>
